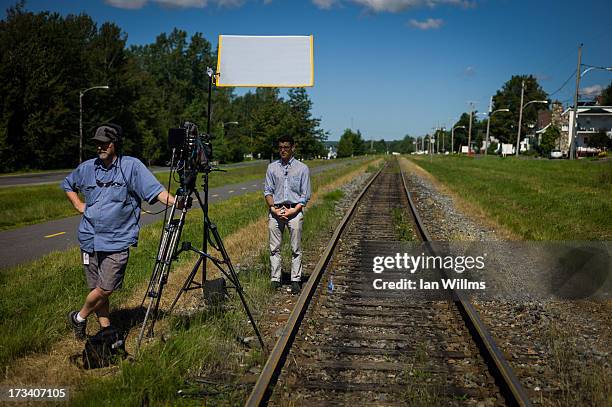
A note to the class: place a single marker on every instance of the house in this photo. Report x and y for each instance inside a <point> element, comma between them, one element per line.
<point>592,119</point>
<point>547,118</point>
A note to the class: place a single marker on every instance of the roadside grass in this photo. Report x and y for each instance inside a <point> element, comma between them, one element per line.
<point>592,376</point>
<point>25,205</point>
<point>28,205</point>
<point>35,297</point>
<point>26,172</point>
<point>202,358</point>
<point>536,199</point>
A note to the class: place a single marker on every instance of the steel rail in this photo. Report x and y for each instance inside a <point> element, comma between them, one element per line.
<point>262,390</point>
<point>500,369</point>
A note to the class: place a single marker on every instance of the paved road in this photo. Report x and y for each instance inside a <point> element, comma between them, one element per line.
<point>31,242</point>
<point>40,178</point>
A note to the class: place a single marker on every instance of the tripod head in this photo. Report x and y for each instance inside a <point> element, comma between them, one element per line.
<point>194,153</point>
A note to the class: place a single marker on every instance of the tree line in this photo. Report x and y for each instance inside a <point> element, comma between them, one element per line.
<point>352,144</point>
<point>48,59</point>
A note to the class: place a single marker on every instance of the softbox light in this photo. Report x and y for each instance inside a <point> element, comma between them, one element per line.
<point>265,61</point>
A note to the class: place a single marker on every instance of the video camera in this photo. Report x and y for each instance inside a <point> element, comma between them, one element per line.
<point>193,151</point>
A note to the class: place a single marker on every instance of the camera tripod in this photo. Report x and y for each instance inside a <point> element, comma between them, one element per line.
<point>169,251</point>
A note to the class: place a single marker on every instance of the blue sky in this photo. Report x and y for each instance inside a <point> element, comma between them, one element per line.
<point>393,67</point>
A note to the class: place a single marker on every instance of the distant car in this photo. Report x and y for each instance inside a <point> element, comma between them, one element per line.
<point>556,154</point>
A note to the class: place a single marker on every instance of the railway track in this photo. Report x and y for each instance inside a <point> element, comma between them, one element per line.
<point>347,344</point>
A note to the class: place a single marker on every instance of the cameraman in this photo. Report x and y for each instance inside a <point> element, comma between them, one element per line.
<point>286,190</point>
<point>113,186</point>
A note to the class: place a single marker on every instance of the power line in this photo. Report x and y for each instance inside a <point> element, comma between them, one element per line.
<point>564,83</point>
<point>595,66</point>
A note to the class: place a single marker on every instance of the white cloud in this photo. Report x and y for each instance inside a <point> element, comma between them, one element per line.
<point>231,3</point>
<point>182,3</point>
<point>392,6</point>
<point>591,91</point>
<point>126,4</point>
<point>324,4</point>
<point>429,24</point>
<point>395,6</point>
<point>469,71</point>
<point>136,4</point>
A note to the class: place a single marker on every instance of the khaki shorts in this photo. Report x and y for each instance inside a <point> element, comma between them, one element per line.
<point>105,269</point>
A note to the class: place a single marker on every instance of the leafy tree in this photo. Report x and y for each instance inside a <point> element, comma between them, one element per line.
<point>600,140</point>
<point>461,135</point>
<point>503,126</point>
<point>380,147</point>
<point>47,60</point>
<point>549,140</point>
<point>403,146</point>
<point>305,129</point>
<point>269,121</point>
<point>606,96</point>
<point>359,147</point>
<point>345,146</point>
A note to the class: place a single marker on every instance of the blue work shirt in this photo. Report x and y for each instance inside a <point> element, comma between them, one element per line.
<point>288,183</point>
<point>112,198</point>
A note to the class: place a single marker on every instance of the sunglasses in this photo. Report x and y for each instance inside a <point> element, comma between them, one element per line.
<point>103,145</point>
<point>107,184</point>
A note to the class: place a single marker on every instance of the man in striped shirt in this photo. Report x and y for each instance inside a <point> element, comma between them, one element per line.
<point>286,190</point>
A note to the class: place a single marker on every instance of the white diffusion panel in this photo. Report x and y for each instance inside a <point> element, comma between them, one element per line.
<point>263,61</point>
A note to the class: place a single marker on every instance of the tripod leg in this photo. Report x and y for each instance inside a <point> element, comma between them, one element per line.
<point>154,295</point>
<point>162,253</point>
<point>187,283</point>
<point>160,273</point>
<point>235,281</point>
<point>205,231</point>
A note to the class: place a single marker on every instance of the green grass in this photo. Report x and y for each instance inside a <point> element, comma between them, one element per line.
<point>27,172</point>
<point>536,199</point>
<point>35,297</point>
<point>402,225</point>
<point>591,377</point>
<point>25,205</point>
<point>28,205</point>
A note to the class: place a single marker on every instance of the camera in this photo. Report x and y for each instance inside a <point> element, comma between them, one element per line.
<point>193,151</point>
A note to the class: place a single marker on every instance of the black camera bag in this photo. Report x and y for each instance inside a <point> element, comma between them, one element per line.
<point>104,348</point>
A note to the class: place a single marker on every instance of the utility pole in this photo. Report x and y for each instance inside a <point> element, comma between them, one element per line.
<point>573,129</point>
<point>443,137</point>
<point>81,94</point>
<point>518,133</point>
<point>433,139</point>
<point>470,129</point>
<point>488,124</point>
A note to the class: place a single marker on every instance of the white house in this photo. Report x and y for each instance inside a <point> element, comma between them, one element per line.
<point>591,120</point>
